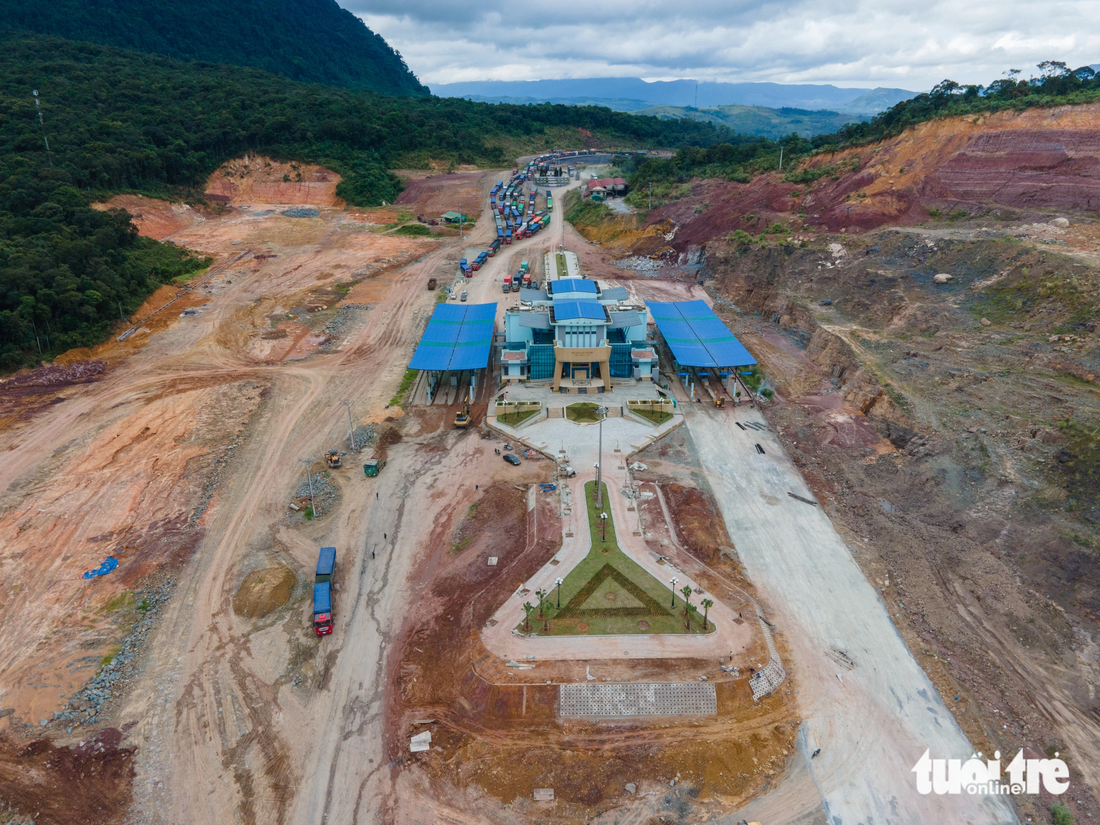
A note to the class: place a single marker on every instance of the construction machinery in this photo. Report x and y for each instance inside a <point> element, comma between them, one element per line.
<point>332,459</point>
<point>373,467</point>
<point>462,420</point>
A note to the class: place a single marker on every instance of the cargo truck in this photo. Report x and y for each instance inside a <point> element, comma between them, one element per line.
<point>322,591</point>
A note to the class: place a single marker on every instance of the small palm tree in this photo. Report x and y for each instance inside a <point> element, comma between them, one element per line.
<point>691,611</point>
<point>686,590</point>
<point>527,608</point>
<point>541,596</point>
<point>707,605</point>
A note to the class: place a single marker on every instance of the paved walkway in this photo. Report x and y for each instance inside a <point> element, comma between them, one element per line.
<point>729,637</point>
<point>865,701</point>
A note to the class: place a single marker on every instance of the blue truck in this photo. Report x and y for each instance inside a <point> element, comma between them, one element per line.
<point>322,591</point>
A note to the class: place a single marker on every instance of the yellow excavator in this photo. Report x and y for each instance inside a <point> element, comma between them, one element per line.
<point>332,459</point>
<point>462,420</point>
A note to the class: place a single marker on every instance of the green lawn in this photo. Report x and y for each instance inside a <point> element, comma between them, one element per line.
<point>656,416</point>
<point>514,418</point>
<point>609,593</point>
<point>583,412</point>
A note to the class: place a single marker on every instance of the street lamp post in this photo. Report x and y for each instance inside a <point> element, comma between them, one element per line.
<point>673,581</point>
<point>601,412</point>
<point>559,582</point>
<point>603,527</point>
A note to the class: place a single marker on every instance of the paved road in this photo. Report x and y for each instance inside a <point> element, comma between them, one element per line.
<point>872,719</point>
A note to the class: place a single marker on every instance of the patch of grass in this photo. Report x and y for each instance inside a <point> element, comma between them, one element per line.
<point>1061,815</point>
<point>403,390</point>
<point>583,412</point>
<point>461,545</point>
<point>623,592</point>
<point>754,379</point>
<point>656,416</point>
<point>120,602</point>
<point>307,514</point>
<point>810,174</point>
<point>414,230</point>
<point>512,419</point>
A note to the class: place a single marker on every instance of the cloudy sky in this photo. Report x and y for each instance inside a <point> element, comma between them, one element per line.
<point>895,43</point>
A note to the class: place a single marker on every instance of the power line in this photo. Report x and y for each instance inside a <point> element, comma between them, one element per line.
<point>42,123</point>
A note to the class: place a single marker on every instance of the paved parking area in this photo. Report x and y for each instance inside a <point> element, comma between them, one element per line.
<point>613,701</point>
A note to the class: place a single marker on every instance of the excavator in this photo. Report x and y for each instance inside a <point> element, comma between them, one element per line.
<point>332,459</point>
<point>462,420</point>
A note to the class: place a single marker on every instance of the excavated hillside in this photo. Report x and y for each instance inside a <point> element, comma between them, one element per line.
<point>938,386</point>
<point>1032,162</point>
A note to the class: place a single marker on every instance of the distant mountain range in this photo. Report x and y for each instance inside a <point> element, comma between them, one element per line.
<point>631,94</point>
<point>759,120</point>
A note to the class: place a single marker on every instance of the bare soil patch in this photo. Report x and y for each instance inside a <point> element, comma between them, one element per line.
<point>264,591</point>
<point>87,782</point>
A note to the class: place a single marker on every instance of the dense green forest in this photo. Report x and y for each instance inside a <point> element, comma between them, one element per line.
<point>739,159</point>
<point>309,40</point>
<point>121,121</point>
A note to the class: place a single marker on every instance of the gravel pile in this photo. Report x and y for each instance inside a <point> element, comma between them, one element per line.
<point>365,436</point>
<point>639,263</point>
<point>93,701</point>
<point>301,212</point>
<point>339,324</point>
<point>325,494</point>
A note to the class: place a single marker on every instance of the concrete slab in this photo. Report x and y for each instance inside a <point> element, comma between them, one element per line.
<point>618,701</point>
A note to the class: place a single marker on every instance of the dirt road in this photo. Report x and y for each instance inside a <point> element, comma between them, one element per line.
<point>865,701</point>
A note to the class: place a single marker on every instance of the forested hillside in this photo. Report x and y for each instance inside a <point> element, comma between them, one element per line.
<point>310,40</point>
<point>124,121</point>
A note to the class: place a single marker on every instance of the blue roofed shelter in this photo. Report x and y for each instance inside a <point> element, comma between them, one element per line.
<point>459,337</point>
<point>699,341</point>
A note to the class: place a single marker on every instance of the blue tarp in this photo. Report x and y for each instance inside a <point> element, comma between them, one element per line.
<point>569,310</point>
<point>458,337</point>
<point>696,336</point>
<point>109,564</point>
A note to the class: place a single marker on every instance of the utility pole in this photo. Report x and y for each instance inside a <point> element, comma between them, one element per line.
<point>42,123</point>
<point>781,157</point>
<point>351,428</point>
<point>309,479</point>
<point>651,194</point>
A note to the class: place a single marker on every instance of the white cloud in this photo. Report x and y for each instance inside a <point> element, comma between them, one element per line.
<point>846,42</point>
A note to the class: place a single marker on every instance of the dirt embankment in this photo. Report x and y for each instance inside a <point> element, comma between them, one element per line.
<point>157,219</point>
<point>257,179</point>
<point>496,728</point>
<point>1035,160</point>
<point>926,417</point>
<point>432,195</point>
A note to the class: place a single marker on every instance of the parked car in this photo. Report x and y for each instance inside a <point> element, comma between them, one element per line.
<point>463,297</point>
<point>512,459</point>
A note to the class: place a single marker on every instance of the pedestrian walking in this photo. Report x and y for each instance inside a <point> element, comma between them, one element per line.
<point>385,537</point>
<point>376,495</point>
<point>477,487</point>
<point>372,554</point>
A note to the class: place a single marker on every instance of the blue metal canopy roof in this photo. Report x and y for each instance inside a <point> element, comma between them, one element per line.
<point>571,310</point>
<point>696,336</point>
<point>458,337</point>
<point>563,285</point>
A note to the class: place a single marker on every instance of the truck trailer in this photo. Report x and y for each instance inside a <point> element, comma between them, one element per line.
<point>322,591</point>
